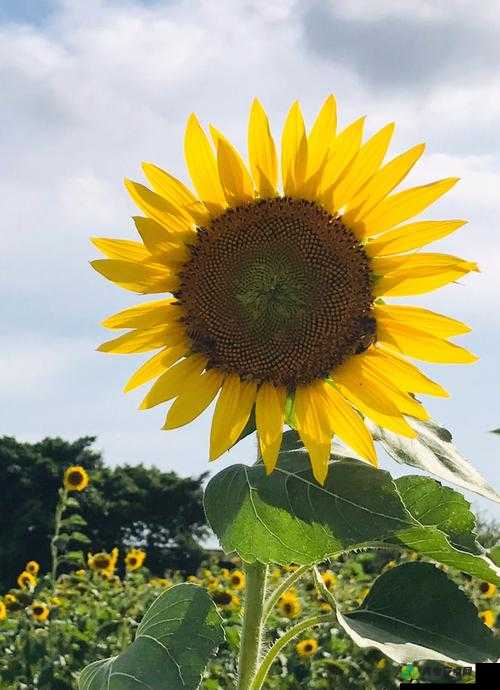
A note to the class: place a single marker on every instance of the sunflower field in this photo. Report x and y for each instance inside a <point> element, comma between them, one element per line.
<point>54,624</point>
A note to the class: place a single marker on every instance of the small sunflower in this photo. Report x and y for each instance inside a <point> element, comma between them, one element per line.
<point>487,589</point>
<point>225,599</point>
<point>26,580</point>
<point>488,618</point>
<point>328,578</point>
<point>3,611</point>
<point>134,559</point>
<point>160,582</point>
<point>75,478</point>
<point>32,567</point>
<point>40,611</point>
<point>10,600</point>
<point>237,579</point>
<point>289,605</point>
<point>279,296</point>
<point>101,561</point>
<point>306,648</point>
<point>381,664</point>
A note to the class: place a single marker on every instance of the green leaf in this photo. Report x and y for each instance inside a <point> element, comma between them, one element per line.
<point>288,518</point>
<point>415,612</point>
<point>80,537</point>
<point>433,451</point>
<point>71,502</point>
<point>174,641</point>
<point>71,557</point>
<point>74,520</point>
<point>446,527</point>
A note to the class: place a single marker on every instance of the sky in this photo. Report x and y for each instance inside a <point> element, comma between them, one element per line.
<point>93,87</point>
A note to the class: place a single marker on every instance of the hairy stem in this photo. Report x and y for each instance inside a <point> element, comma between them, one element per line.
<point>251,634</point>
<point>60,508</point>
<point>290,634</point>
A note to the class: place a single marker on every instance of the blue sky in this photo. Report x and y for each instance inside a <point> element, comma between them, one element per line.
<point>91,88</point>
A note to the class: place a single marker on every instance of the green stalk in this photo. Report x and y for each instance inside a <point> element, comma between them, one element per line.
<point>251,634</point>
<point>281,589</point>
<point>291,633</point>
<point>60,508</point>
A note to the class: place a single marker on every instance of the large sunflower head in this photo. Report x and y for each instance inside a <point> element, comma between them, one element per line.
<point>75,478</point>
<point>26,581</point>
<point>278,292</point>
<point>134,559</point>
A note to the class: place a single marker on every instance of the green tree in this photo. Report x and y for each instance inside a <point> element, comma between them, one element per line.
<point>123,506</point>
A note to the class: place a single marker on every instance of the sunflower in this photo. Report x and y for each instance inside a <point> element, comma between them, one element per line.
<point>3,611</point>
<point>487,589</point>
<point>75,478</point>
<point>328,578</point>
<point>134,559</point>
<point>237,579</point>
<point>10,600</point>
<point>101,561</point>
<point>40,611</point>
<point>289,605</point>
<point>306,648</point>
<point>278,296</point>
<point>488,618</point>
<point>226,599</point>
<point>32,567</point>
<point>26,580</point>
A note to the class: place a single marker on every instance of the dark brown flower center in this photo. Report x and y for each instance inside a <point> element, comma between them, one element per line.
<point>38,610</point>
<point>101,562</point>
<point>278,290</point>
<point>75,477</point>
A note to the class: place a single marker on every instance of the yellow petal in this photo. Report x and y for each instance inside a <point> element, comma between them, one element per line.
<point>174,380</point>
<point>194,399</point>
<point>140,340</point>
<point>161,242</point>
<point>158,208</point>
<point>314,427</point>
<point>146,315</point>
<point>420,278</point>
<point>293,151</point>
<point>399,207</point>
<point>369,397</point>
<point>422,319</point>
<point>421,345</point>
<point>121,249</point>
<point>262,152</point>
<point>408,377</point>
<point>232,411</point>
<point>321,136</point>
<point>382,183</point>
<point>176,193</point>
<point>411,236</point>
<point>155,366</point>
<point>234,176</point>
<point>348,425</point>
<point>365,164</point>
<point>141,278</point>
<point>411,262</point>
<point>269,414</point>
<point>342,152</point>
<point>202,167</point>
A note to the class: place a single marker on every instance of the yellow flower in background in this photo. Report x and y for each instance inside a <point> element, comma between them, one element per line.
<point>3,611</point>
<point>32,567</point>
<point>328,578</point>
<point>40,611</point>
<point>160,582</point>
<point>10,600</point>
<point>56,601</point>
<point>75,478</point>
<point>306,648</point>
<point>289,605</point>
<point>134,559</point>
<point>487,589</point>
<point>226,599</point>
<point>381,664</point>
<point>278,295</point>
<point>80,572</point>
<point>26,580</point>
<point>237,579</point>
<point>100,561</point>
<point>488,618</point>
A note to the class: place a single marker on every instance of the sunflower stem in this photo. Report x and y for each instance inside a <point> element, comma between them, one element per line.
<point>290,634</point>
<point>60,508</point>
<point>253,623</point>
<point>281,589</point>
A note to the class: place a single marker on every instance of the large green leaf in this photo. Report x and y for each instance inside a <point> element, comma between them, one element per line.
<point>415,612</point>
<point>433,451</point>
<point>173,644</point>
<point>287,517</point>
